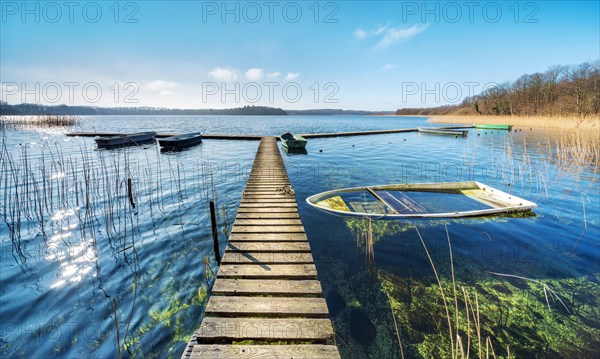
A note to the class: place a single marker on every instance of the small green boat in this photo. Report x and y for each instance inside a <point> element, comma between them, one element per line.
<point>292,141</point>
<point>493,127</point>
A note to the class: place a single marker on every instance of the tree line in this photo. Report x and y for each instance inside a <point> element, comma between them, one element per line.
<point>37,109</point>
<point>560,91</point>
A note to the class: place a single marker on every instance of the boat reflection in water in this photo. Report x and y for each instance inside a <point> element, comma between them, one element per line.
<point>294,151</point>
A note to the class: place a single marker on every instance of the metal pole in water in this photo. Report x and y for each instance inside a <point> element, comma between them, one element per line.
<point>213,222</point>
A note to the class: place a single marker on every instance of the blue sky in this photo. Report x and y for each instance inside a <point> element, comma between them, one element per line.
<point>375,55</point>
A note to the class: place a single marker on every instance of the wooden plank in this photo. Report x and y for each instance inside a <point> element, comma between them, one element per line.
<point>264,189</point>
<point>267,222</point>
<point>268,200</point>
<point>264,215</point>
<point>267,258</point>
<point>229,306</point>
<point>269,165</point>
<point>269,176</point>
<point>267,194</point>
<point>268,229</point>
<point>284,181</point>
<point>269,209</point>
<point>242,246</point>
<point>306,351</point>
<point>215,330</point>
<point>224,286</point>
<point>254,177</point>
<point>268,237</point>
<point>268,205</point>
<point>276,271</point>
<point>267,184</point>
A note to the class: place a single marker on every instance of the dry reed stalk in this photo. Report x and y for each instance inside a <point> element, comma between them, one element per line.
<point>584,220</point>
<point>441,291</point>
<point>395,325</point>
<point>117,327</point>
<point>559,122</point>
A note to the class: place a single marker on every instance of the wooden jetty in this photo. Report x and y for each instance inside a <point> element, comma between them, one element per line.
<point>258,138</point>
<point>266,301</point>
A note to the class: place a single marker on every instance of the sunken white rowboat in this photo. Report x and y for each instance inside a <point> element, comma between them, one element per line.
<point>420,200</point>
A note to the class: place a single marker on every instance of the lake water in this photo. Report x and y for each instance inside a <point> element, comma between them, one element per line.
<point>80,259</point>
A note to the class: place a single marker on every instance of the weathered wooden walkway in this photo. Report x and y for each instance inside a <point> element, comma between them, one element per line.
<point>266,301</point>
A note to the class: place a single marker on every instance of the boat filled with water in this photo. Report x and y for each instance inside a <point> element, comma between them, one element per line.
<point>426,200</point>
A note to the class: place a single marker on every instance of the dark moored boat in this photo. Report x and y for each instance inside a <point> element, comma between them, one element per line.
<point>180,141</point>
<point>126,139</point>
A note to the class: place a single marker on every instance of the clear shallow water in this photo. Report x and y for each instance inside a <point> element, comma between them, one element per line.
<point>59,291</point>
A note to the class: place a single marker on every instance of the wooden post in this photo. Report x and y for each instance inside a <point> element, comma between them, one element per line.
<point>130,193</point>
<point>213,222</point>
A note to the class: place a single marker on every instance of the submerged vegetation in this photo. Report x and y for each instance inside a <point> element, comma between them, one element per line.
<point>464,312</point>
<point>495,318</point>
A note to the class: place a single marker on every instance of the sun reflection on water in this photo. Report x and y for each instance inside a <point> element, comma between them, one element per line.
<point>76,258</point>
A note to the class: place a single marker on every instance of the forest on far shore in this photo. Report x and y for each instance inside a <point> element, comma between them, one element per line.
<point>559,91</point>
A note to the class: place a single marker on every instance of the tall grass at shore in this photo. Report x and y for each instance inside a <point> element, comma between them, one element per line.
<point>521,122</point>
<point>20,122</point>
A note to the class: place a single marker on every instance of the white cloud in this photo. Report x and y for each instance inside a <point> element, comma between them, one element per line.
<point>389,35</point>
<point>291,75</point>
<point>254,74</point>
<point>379,30</point>
<point>160,85</point>
<point>223,74</point>
<point>360,34</point>
<point>392,34</point>
<point>387,67</point>
<point>273,75</point>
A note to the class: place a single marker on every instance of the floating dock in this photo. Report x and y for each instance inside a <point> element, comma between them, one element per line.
<point>258,137</point>
<point>266,301</point>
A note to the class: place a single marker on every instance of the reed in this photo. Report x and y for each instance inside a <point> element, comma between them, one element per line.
<point>20,122</point>
<point>365,240</point>
<point>525,122</point>
<point>103,190</point>
<point>470,324</point>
